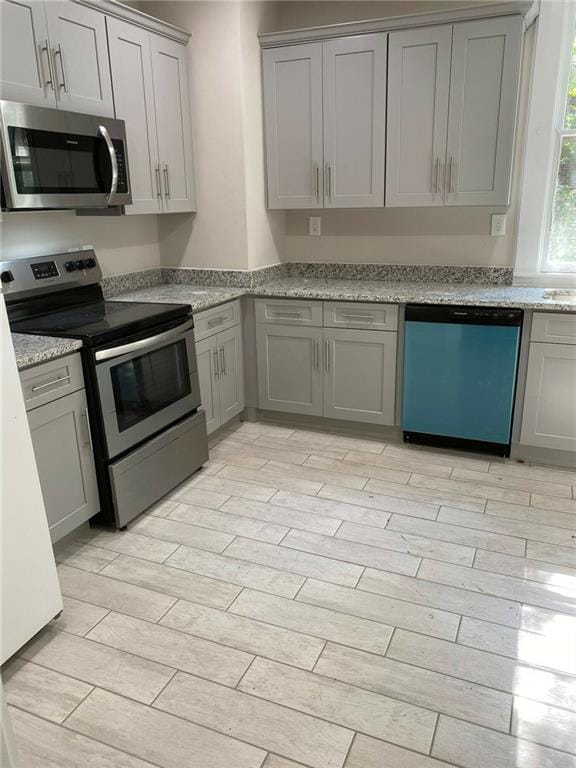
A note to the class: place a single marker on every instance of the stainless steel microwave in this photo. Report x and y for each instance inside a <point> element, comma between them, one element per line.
<point>51,159</point>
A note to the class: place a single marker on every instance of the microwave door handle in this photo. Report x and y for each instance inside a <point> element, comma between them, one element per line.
<point>142,344</point>
<point>102,130</point>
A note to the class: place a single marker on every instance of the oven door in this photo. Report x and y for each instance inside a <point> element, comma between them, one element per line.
<point>146,385</point>
<point>55,159</point>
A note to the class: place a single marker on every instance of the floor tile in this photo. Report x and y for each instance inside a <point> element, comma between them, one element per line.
<point>236,571</point>
<point>546,725</point>
<point>236,455</point>
<point>505,480</point>
<point>114,595</point>
<point>244,633</point>
<point>426,495</point>
<point>415,685</point>
<point>331,508</point>
<point>295,561</point>
<point>227,523</point>
<point>551,553</point>
<point>128,543</point>
<point>379,608</point>
<point>171,530</point>
<point>551,475</point>
<point>44,745</point>
<point>525,568</point>
<point>330,451</point>
<point>167,741</point>
<point>367,752</point>
<point>532,514</point>
<point>519,528</point>
<point>508,587</point>
<point>162,508</point>
<point>445,597</point>
<point>276,479</point>
<point>327,440</point>
<point>318,474</point>
<point>407,464</point>
<point>258,453</point>
<point>277,513</point>
<point>77,617</point>
<point>177,583</point>
<point>481,489</point>
<point>236,486</point>
<point>97,664</point>
<point>471,746</point>
<point>556,651</point>
<point>457,534</point>
<point>273,761</point>
<point>484,668</point>
<point>373,500</point>
<point>41,691</point>
<point>416,546</point>
<point>362,633</point>
<point>84,556</point>
<point>352,707</point>
<point>553,503</point>
<point>200,496</point>
<point>438,456</point>
<point>363,471</point>
<point>353,552</point>
<point>294,735</point>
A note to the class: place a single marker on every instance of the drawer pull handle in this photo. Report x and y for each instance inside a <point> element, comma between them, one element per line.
<point>358,317</point>
<point>50,383</point>
<point>216,321</point>
<point>286,314</point>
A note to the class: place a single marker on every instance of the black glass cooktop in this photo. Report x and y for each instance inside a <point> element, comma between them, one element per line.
<point>101,321</point>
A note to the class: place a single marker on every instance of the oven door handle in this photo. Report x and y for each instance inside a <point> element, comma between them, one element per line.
<point>137,346</point>
<point>103,131</point>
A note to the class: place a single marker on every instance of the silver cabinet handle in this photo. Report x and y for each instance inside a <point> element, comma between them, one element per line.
<point>327,356</point>
<point>45,49</point>
<point>142,344</point>
<point>216,321</point>
<point>103,131</point>
<point>316,355</point>
<point>437,183</point>
<point>359,317</point>
<point>317,181</point>
<point>286,314</point>
<point>158,182</point>
<point>328,180</point>
<point>451,165</point>
<point>64,83</point>
<point>88,440</point>
<point>167,181</point>
<point>453,169</point>
<point>50,383</point>
<point>222,361</point>
<point>216,366</point>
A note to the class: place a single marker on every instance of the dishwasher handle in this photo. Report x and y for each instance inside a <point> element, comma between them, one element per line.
<point>473,315</point>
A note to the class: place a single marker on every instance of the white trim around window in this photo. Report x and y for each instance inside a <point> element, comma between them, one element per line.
<point>554,38</point>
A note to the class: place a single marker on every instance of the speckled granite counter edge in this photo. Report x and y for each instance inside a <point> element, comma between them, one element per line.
<point>32,350</point>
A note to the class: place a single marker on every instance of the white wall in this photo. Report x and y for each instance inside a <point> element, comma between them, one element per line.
<point>123,244</point>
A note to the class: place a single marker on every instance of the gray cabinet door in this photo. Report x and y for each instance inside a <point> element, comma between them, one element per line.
<point>231,372</point>
<point>418,91</point>
<point>549,418</point>
<point>62,446</point>
<point>354,97</point>
<point>173,122</point>
<point>131,64</point>
<point>486,58</point>
<point>207,359</point>
<point>292,82</point>
<point>25,66</point>
<point>289,368</point>
<point>80,54</point>
<point>360,375</point>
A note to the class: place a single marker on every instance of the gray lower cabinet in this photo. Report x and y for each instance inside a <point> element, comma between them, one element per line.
<point>221,374</point>
<point>360,375</point>
<point>63,449</point>
<point>289,368</point>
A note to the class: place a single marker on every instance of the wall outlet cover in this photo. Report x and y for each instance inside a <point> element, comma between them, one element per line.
<point>315,226</point>
<point>498,225</point>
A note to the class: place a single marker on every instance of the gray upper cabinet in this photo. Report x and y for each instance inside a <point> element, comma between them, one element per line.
<point>486,59</point>
<point>354,96</point>
<point>418,91</point>
<point>25,63</point>
<point>452,99</point>
<point>292,81</point>
<point>81,69</point>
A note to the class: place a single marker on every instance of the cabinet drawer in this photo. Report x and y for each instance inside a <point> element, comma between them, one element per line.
<point>217,319</point>
<point>43,383</point>
<point>378,317</point>
<point>289,312</point>
<point>555,328</point>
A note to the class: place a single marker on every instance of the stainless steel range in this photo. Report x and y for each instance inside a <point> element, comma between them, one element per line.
<point>139,361</point>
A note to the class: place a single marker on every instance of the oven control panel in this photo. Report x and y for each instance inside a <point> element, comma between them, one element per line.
<point>44,269</point>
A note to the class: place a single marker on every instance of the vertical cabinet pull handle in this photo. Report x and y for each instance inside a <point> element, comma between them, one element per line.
<point>437,183</point>
<point>327,356</point>
<point>222,361</point>
<point>167,180</point>
<point>64,83</point>
<point>317,181</point>
<point>45,49</point>
<point>88,440</point>
<point>216,368</point>
<point>452,168</point>
<point>158,182</point>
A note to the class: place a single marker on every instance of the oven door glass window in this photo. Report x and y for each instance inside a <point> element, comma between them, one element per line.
<point>146,384</point>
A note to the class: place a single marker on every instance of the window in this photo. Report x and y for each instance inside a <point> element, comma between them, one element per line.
<point>546,242</point>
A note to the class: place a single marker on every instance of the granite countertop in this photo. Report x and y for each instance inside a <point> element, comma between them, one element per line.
<point>32,350</point>
<point>204,296</point>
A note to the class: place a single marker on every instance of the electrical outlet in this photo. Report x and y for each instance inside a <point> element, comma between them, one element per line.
<point>315,226</point>
<point>498,225</point>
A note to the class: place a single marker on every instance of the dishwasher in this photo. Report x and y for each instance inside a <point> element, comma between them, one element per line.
<point>459,380</point>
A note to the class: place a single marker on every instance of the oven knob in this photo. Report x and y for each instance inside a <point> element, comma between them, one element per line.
<point>79,264</point>
<point>89,263</point>
<point>69,266</point>
<point>7,277</point>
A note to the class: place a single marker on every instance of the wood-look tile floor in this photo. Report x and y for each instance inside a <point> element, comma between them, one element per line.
<point>316,600</point>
